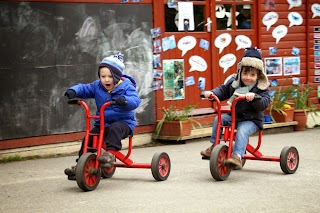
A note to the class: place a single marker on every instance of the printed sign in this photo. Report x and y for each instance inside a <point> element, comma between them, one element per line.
<point>270,19</point>
<point>316,35</point>
<point>227,61</point>
<point>222,41</point>
<point>186,43</point>
<point>197,63</point>
<point>315,8</point>
<point>295,19</point>
<point>279,32</point>
<point>294,3</point>
<point>243,42</point>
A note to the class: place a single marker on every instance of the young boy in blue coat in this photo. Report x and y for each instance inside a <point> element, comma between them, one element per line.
<point>250,80</point>
<point>119,118</point>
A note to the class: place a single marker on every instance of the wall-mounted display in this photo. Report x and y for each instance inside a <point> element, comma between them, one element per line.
<point>173,79</point>
<point>291,66</point>
<point>273,66</point>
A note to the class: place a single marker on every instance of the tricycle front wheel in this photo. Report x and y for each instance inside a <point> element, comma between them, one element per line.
<point>218,168</point>
<point>87,176</point>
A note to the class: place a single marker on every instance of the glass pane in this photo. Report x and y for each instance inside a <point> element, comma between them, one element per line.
<point>172,18</point>
<point>224,16</point>
<point>244,16</point>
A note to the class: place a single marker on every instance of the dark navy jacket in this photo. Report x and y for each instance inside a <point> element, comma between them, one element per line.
<point>113,113</point>
<point>252,110</point>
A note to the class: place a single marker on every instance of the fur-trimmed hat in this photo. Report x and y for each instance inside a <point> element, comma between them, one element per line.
<point>115,65</point>
<point>252,58</point>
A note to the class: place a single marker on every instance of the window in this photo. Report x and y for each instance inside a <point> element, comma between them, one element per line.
<point>225,16</point>
<point>172,18</point>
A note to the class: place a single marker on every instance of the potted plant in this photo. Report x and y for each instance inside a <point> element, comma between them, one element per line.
<point>176,122</point>
<point>280,108</point>
<point>302,105</point>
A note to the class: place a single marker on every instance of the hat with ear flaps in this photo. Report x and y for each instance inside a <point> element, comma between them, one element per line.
<point>252,58</point>
<point>115,64</point>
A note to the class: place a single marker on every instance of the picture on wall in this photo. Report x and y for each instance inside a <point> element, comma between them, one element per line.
<point>173,79</point>
<point>291,66</point>
<point>273,66</point>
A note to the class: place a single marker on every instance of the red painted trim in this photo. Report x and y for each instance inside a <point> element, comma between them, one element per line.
<point>62,138</point>
<point>87,1</point>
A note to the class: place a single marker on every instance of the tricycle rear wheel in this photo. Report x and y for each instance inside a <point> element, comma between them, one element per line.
<point>87,176</point>
<point>108,172</point>
<point>289,159</point>
<point>160,166</point>
<point>218,168</point>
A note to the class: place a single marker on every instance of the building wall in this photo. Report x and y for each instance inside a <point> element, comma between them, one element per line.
<point>48,46</point>
<point>299,37</point>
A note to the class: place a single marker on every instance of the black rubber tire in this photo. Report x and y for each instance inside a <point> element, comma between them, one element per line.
<point>160,166</point>
<point>87,176</point>
<point>289,159</point>
<point>219,170</point>
<point>108,172</point>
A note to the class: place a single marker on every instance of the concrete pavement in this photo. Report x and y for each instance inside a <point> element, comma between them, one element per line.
<point>40,185</point>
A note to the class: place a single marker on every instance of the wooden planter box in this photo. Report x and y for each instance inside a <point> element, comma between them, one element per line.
<point>176,128</point>
<point>281,118</point>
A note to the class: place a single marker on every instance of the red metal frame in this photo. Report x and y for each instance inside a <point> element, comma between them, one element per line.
<point>98,142</point>
<point>229,133</point>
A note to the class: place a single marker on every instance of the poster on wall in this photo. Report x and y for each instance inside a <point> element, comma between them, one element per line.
<point>273,66</point>
<point>186,17</point>
<point>291,66</point>
<point>173,79</point>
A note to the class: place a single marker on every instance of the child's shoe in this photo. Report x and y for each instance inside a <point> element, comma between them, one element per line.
<point>206,153</point>
<point>71,172</point>
<point>235,161</point>
<point>106,159</point>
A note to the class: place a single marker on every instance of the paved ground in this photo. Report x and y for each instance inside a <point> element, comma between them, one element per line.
<point>40,185</point>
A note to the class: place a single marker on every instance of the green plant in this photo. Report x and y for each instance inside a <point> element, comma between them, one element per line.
<point>301,101</point>
<point>281,100</point>
<point>172,113</point>
<point>12,158</point>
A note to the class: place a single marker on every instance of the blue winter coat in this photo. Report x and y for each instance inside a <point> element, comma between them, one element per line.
<point>252,110</point>
<point>113,113</point>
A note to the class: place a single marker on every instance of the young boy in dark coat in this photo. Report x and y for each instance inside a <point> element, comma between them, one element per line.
<point>250,80</point>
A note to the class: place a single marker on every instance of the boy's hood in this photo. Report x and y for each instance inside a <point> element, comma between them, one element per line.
<point>263,82</point>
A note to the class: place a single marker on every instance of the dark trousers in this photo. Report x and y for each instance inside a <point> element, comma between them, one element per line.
<point>113,135</point>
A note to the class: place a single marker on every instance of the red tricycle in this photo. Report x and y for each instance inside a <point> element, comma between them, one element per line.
<point>220,170</point>
<point>88,170</point>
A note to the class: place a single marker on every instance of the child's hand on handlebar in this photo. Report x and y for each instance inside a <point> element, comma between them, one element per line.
<point>121,101</point>
<point>207,94</point>
<point>70,93</point>
<point>250,96</point>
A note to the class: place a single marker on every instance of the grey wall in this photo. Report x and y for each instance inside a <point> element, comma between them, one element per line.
<point>47,47</point>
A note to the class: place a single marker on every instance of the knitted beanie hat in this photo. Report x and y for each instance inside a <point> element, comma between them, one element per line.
<point>252,58</point>
<point>115,65</point>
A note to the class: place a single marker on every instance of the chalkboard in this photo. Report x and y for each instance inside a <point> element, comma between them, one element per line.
<point>47,47</point>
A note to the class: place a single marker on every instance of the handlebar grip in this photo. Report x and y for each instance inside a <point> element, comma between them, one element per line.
<point>257,97</point>
<point>202,95</point>
<point>114,103</point>
<point>74,101</point>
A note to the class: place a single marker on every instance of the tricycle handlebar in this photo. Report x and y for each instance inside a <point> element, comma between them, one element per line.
<point>74,101</point>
